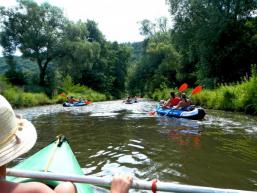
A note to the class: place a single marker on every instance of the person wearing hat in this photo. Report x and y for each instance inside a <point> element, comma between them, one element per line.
<point>17,136</point>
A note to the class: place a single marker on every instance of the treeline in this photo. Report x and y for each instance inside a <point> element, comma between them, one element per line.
<point>59,48</point>
<point>211,43</point>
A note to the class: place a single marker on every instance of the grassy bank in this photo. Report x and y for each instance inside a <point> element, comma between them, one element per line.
<point>237,97</point>
<point>18,98</point>
<point>241,96</point>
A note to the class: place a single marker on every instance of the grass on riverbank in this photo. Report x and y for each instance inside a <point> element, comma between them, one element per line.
<point>237,97</point>
<point>78,91</point>
<point>241,96</point>
<point>18,98</point>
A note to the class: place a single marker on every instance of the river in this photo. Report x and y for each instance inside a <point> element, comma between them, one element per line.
<point>112,137</point>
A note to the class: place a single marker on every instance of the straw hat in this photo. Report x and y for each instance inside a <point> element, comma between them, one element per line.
<point>17,135</point>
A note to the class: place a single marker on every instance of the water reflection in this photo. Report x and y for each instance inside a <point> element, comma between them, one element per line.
<point>182,131</point>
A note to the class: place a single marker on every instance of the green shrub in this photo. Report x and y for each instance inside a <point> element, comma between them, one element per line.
<point>241,96</point>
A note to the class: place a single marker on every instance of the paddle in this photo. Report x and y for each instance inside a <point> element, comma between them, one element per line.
<point>137,184</point>
<point>197,89</point>
<point>88,102</point>
<point>63,95</point>
<point>183,87</point>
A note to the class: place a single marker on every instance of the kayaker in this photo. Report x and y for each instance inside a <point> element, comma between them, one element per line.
<point>17,136</point>
<point>72,100</point>
<point>184,103</point>
<point>135,99</point>
<point>129,100</point>
<point>172,101</point>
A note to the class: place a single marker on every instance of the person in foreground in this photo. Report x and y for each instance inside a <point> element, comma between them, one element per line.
<point>17,136</point>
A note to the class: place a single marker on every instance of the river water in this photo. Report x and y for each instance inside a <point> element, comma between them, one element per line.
<point>112,137</point>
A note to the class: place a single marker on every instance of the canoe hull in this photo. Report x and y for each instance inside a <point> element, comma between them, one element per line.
<point>195,114</point>
<point>77,104</point>
<point>56,157</point>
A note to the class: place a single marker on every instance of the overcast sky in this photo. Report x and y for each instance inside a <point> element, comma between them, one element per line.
<point>117,19</point>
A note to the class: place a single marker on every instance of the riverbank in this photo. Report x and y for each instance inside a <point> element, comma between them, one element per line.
<point>240,97</point>
<point>20,98</point>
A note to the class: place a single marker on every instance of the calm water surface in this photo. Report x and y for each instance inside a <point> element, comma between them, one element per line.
<point>113,137</point>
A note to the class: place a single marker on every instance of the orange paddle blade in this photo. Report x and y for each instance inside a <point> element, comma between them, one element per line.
<point>183,87</point>
<point>63,94</point>
<point>88,102</point>
<point>197,89</point>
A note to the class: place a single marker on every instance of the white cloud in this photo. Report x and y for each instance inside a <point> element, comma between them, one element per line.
<point>117,19</point>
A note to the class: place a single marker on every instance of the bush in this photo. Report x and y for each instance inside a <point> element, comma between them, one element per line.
<point>78,91</point>
<point>241,96</point>
<point>18,98</point>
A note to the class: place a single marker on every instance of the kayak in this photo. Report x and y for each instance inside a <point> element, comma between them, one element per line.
<point>77,104</point>
<point>57,157</point>
<point>197,113</point>
<point>129,102</point>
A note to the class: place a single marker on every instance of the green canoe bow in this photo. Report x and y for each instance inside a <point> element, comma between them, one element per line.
<point>56,157</point>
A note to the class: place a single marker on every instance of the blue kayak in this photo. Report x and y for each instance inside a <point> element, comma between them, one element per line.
<point>76,104</point>
<point>196,113</point>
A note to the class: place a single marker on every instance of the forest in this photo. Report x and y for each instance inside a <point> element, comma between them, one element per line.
<point>211,43</point>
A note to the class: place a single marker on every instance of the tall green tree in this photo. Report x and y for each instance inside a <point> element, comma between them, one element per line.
<point>213,39</point>
<point>79,53</point>
<point>160,61</point>
<point>158,66</point>
<point>35,30</point>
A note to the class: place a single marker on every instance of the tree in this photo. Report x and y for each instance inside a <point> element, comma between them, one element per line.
<point>35,30</point>
<point>213,39</point>
<point>78,53</point>
<point>158,66</point>
<point>94,34</point>
<point>159,63</point>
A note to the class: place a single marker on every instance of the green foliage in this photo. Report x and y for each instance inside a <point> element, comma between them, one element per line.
<point>18,98</point>
<point>23,65</point>
<point>77,90</point>
<point>15,77</point>
<point>94,35</point>
<point>36,30</point>
<point>157,67</point>
<point>4,83</point>
<point>215,39</point>
<point>162,94</point>
<point>67,84</point>
<point>236,97</point>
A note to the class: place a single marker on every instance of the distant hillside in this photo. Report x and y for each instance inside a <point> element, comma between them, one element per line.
<point>23,65</point>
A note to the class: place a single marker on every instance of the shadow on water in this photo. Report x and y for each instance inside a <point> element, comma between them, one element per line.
<point>113,137</point>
